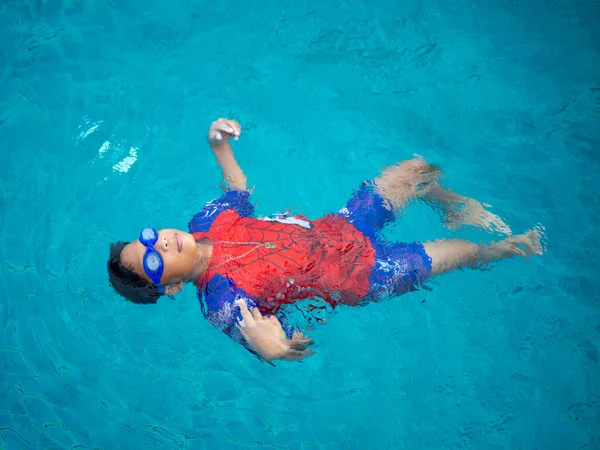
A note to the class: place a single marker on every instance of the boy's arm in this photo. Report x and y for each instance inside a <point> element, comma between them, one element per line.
<point>219,134</point>
<point>236,314</point>
<point>266,337</point>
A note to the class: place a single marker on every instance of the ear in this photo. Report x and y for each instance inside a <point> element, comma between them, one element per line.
<point>174,288</point>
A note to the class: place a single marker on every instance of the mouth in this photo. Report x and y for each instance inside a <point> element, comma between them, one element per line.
<point>179,242</point>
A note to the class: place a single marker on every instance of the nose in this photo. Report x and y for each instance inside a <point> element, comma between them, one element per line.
<point>162,243</point>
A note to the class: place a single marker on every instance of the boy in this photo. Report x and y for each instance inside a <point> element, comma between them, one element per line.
<point>246,267</point>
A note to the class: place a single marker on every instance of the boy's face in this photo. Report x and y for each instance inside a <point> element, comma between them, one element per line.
<point>177,249</point>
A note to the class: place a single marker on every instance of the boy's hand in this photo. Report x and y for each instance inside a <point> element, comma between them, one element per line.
<point>266,336</point>
<point>221,130</point>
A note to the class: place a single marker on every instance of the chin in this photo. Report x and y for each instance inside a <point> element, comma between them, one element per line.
<point>188,239</point>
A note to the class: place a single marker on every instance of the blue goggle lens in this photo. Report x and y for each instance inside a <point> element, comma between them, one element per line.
<point>149,235</point>
<point>152,262</point>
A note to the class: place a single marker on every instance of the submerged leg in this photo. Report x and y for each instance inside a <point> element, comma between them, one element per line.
<point>405,181</point>
<point>417,179</point>
<point>458,210</point>
<point>449,255</point>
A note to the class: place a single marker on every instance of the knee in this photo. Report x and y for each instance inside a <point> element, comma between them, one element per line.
<point>413,175</point>
<point>415,164</point>
<point>418,169</point>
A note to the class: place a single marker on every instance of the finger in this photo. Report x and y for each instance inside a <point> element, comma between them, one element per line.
<point>240,327</point>
<point>301,344</point>
<point>229,126</point>
<point>215,135</point>
<point>256,314</point>
<point>247,317</point>
<point>298,335</point>
<point>225,128</point>
<point>232,128</point>
<point>237,128</point>
<point>295,355</point>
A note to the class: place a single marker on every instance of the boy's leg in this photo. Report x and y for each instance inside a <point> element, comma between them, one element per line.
<point>374,204</point>
<point>405,181</point>
<point>449,255</point>
<point>417,179</point>
<point>459,210</point>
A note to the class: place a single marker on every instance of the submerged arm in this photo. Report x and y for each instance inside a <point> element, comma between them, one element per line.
<point>266,337</point>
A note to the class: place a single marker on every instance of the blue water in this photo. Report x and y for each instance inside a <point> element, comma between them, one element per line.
<point>104,107</point>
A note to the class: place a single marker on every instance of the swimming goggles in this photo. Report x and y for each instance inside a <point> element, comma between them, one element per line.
<point>153,263</point>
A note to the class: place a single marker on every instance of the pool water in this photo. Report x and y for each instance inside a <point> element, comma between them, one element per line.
<point>104,108</point>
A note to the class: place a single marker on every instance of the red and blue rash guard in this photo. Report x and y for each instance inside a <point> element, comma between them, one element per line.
<point>272,261</point>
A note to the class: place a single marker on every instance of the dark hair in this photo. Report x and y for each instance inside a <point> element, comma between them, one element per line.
<point>126,282</point>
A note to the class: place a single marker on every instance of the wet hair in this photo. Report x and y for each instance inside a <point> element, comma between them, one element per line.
<point>126,282</point>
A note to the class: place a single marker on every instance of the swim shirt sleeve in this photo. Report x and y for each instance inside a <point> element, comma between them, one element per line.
<point>218,299</point>
<point>232,199</point>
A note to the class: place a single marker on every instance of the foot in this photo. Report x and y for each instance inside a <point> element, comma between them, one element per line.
<point>528,244</point>
<point>473,213</point>
<point>525,245</point>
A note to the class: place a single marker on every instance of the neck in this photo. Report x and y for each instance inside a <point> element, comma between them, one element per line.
<point>204,254</point>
